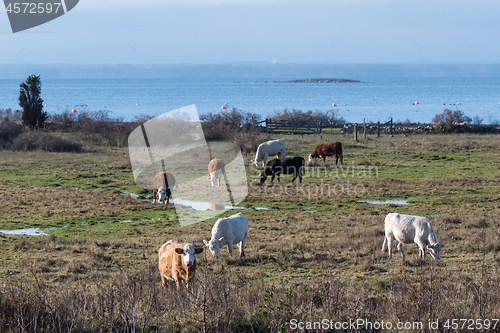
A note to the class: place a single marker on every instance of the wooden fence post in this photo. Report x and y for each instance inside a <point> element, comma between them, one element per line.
<point>391,128</point>
<point>356,132</point>
<point>267,125</point>
<point>378,128</point>
<point>364,127</point>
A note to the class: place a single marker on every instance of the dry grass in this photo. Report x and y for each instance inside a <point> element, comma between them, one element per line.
<point>307,258</point>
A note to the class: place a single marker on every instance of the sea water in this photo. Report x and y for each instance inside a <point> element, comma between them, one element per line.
<point>373,99</point>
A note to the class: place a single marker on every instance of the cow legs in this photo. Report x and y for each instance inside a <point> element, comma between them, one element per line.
<point>421,246</point>
<point>242,246</point>
<point>177,283</point>
<point>336,159</point>
<point>324,159</point>
<point>400,249</point>
<point>230,248</point>
<point>342,159</point>
<point>389,244</point>
<point>169,193</point>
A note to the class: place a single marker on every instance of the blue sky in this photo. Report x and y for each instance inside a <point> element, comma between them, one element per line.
<point>222,31</point>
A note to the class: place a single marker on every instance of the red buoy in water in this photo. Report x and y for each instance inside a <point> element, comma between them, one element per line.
<point>74,110</point>
<point>417,102</point>
<point>334,104</point>
<point>223,107</point>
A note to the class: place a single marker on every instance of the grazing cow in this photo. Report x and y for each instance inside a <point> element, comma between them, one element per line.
<point>286,166</point>
<point>407,229</point>
<point>216,169</point>
<point>270,148</point>
<point>176,260</point>
<point>230,230</point>
<point>162,184</point>
<point>328,149</point>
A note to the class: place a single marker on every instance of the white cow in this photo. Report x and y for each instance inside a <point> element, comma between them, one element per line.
<point>270,148</point>
<point>407,229</point>
<point>230,230</point>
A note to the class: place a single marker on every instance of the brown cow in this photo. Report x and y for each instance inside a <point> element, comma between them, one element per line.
<point>328,149</point>
<point>176,260</point>
<point>216,169</point>
<point>162,184</point>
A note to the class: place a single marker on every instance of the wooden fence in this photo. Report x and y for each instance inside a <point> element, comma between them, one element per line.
<point>389,127</point>
<point>316,127</point>
<point>293,126</point>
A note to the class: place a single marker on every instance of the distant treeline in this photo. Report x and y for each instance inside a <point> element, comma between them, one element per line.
<point>244,70</point>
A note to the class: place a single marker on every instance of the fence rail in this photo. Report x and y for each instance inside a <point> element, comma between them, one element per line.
<point>317,127</point>
<point>389,127</point>
<point>293,126</point>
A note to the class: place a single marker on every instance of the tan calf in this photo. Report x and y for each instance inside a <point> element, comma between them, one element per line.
<point>177,260</point>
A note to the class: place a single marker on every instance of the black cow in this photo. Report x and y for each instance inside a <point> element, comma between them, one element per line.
<point>286,166</point>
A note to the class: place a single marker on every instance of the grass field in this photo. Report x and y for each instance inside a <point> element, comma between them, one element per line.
<point>314,253</point>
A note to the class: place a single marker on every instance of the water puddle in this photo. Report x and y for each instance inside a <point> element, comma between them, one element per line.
<point>205,205</point>
<point>28,232</point>
<point>196,205</point>
<point>392,202</point>
<point>132,195</point>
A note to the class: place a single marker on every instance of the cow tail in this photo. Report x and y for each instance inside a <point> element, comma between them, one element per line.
<point>383,245</point>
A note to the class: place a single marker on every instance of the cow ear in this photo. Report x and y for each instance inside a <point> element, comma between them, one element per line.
<point>220,239</point>
<point>205,242</point>
<point>179,250</point>
<point>198,250</point>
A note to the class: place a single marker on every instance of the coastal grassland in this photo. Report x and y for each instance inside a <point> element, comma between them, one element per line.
<point>315,253</point>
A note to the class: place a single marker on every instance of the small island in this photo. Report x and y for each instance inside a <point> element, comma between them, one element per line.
<point>320,81</point>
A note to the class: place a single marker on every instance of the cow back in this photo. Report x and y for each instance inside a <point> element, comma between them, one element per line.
<point>164,179</point>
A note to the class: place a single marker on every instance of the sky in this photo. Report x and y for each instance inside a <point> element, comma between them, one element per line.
<point>272,31</point>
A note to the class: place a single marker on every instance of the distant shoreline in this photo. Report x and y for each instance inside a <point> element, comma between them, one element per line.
<point>320,81</point>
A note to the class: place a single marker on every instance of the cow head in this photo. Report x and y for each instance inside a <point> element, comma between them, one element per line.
<point>213,179</point>
<point>188,253</point>
<point>256,162</point>
<point>162,193</point>
<point>214,246</point>
<point>435,250</point>
<point>268,171</point>
<point>312,158</point>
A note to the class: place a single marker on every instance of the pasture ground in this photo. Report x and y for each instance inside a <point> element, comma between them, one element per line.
<point>314,236</point>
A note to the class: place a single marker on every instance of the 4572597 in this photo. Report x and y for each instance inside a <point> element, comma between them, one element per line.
<point>33,8</point>
<point>471,324</point>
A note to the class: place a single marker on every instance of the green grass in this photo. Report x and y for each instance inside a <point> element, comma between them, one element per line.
<point>304,236</point>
